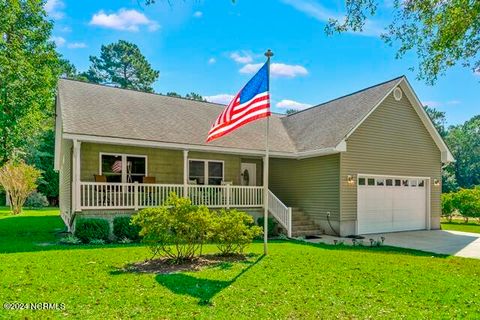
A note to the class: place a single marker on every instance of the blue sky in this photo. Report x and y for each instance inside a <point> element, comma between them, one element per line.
<point>212,48</point>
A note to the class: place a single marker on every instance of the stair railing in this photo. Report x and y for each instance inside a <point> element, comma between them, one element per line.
<point>281,212</point>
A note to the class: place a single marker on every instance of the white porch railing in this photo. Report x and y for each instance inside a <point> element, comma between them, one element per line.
<point>100,195</point>
<point>281,212</point>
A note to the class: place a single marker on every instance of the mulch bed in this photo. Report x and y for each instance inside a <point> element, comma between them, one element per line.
<point>165,265</point>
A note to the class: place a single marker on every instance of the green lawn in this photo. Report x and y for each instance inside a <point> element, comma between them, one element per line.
<point>460,225</point>
<point>295,281</point>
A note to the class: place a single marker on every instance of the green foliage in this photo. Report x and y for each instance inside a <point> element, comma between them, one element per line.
<point>438,119</point>
<point>442,33</point>
<point>178,229</point>
<point>41,155</point>
<point>272,226</point>
<point>195,96</point>
<point>18,180</point>
<point>233,230</point>
<point>97,241</point>
<point>28,74</point>
<point>174,94</point>
<point>70,240</point>
<point>69,71</point>
<point>123,65</point>
<point>448,207</point>
<point>88,229</point>
<point>291,111</point>
<point>464,143</point>
<point>124,229</point>
<point>467,202</point>
<point>36,200</point>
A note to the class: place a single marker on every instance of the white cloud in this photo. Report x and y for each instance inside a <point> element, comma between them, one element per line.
<point>54,9</point>
<point>431,103</point>
<point>65,29</point>
<point>212,61</point>
<point>320,13</point>
<point>291,104</point>
<point>76,45</point>
<point>59,41</point>
<point>223,98</point>
<point>241,57</point>
<point>198,14</point>
<point>277,69</point>
<point>477,71</point>
<point>127,20</point>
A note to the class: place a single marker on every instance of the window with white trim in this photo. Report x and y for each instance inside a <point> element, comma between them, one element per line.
<point>205,171</point>
<point>123,167</point>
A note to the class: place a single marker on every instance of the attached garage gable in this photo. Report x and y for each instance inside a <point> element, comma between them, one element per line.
<point>391,142</point>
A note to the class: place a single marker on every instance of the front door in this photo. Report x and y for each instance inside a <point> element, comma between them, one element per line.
<point>248,174</point>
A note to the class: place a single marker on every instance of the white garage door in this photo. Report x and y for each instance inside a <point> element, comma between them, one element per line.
<point>387,204</point>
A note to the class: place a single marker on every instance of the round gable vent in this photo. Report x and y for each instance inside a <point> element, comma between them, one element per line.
<point>397,93</point>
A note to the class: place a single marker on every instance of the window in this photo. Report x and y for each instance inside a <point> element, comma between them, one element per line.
<point>380,182</point>
<point>421,183</point>
<point>398,183</point>
<point>371,181</point>
<point>389,182</point>
<point>405,183</point>
<point>413,182</point>
<point>123,168</point>
<point>206,171</point>
<point>361,181</point>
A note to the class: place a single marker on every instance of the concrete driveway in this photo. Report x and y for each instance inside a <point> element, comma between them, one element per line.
<point>462,244</point>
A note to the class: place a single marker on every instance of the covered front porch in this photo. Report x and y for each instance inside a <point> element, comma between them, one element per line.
<point>118,177</point>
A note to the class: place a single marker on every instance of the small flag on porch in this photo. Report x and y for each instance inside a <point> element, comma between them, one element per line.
<point>250,104</point>
<point>117,166</point>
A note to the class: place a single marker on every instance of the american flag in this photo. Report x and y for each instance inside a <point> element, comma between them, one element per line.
<point>250,104</point>
<point>117,166</point>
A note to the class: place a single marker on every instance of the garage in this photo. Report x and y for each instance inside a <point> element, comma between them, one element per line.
<point>390,203</point>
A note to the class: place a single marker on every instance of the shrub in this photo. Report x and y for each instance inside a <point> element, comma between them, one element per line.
<point>272,226</point>
<point>123,228</point>
<point>448,205</point>
<point>19,180</point>
<point>97,241</point>
<point>233,230</point>
<point>88,229</point>
<point>36,200</point>
<point>467,202</point>
<point>177,229</point>
<point>70,240</point>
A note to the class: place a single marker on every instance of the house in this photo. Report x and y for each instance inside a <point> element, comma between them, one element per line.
<point>367,162</point>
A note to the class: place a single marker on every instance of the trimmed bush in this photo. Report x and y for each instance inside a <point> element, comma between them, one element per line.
<point>233,231</point>
<point>272,226</point>
<point>88,229</point>
<point>177,229</point>
<point>36,200</point>
<point>123,228</point>
<point>467,202</point>
<point>448,207</point>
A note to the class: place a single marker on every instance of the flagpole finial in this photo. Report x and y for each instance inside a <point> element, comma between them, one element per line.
<point>269,54</point>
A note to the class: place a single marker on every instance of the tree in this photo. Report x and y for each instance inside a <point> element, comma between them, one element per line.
<point>69,71</point>
<point>443,33</point>
<point>194,96</point>
<point>121,64</point>
<point>28,74</point>
<point>291,111</point>
<point>19,180</point>
<point>174,94</point>
<point>41,155</point>
<point>464,143</point>
<point>438,118</point>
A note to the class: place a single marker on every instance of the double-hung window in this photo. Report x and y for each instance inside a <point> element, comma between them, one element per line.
<point>123,167</point>
<point>206,171</point>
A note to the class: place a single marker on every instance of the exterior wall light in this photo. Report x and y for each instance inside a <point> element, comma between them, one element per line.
<point>436,182</point>
<point>350,179</point>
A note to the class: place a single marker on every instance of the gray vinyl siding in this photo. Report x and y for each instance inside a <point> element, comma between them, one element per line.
<point>391,141</point>
<point>310,184</point>
<point>65,180</point>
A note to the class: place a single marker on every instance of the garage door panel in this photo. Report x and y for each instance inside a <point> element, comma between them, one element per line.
<point>388,208</point>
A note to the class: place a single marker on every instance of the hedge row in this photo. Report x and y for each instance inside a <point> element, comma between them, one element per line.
<point>465,202</point>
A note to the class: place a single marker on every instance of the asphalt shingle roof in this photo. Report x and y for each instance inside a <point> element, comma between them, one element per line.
<point>90,109</point>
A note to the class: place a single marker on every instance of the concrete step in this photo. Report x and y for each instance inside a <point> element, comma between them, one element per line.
<point>304,233</point>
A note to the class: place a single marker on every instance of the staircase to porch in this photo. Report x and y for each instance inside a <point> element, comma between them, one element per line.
<point>303,225</point>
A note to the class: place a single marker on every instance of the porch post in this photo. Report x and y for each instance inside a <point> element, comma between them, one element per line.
<point>76,205</point>
<point>185,173</point>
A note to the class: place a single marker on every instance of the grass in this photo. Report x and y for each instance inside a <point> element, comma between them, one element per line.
<point>295,281</point>
<point>459,225</point>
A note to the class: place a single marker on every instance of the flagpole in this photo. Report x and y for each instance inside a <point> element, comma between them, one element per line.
<point>268,54</point>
